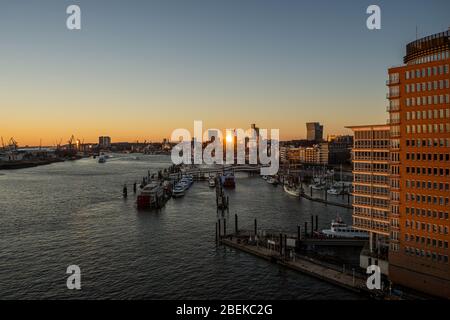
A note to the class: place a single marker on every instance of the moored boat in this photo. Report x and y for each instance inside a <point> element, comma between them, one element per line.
<point>178,191</point>
<point>227,180</point>
<point>151,196</point>
<point>333,192</point>
<point>293,191</point>
<point>341,230</point>
<point>272,181</point>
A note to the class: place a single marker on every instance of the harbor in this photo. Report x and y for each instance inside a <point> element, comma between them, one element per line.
<point>94,225</point>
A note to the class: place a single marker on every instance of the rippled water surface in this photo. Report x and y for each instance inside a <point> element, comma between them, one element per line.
<point>73,213</point>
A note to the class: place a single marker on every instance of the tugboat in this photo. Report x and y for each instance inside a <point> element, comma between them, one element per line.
<point>341,230</point>
<point>151,196</point>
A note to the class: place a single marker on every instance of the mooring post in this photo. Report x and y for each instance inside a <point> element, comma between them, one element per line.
<point>317,223</point>
<point>216,232</point>
<point>224,227</point>
<point>285,246</point>
<point>256,228</point>
<point>236,223</point>
<point>310,191</point>
<point>281,244</point>
<point>312,225</point>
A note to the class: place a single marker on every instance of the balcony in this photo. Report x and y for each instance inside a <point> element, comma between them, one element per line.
<point>392,81</point>
<point>392,121</point>
<point>392,108</point>
<point>391,95</point>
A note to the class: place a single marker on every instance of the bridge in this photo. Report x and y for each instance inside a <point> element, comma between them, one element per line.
<point>202,171</point>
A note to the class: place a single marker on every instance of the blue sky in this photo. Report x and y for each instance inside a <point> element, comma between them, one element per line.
<point>230,63</point>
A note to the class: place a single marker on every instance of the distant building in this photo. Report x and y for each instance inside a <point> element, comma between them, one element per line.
<point>104,142</point>
<point>316,154</point>
<point>339,149</point>
<point>314,131</point>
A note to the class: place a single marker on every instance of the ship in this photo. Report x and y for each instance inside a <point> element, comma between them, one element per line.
<point>151,196</point>
<point>341,230</point>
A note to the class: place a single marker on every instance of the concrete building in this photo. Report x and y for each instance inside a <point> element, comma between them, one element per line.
<point>371,190</point>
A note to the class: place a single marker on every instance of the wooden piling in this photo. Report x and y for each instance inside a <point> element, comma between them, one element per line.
<point>224,227</point>
<point>256,227</point>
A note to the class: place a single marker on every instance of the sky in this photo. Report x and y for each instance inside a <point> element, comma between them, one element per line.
<point>137,70</point>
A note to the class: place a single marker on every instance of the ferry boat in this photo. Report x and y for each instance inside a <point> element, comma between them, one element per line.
<point>341,230</point>
<point>227,180</point>
<point>151,196</point>
<point>292,191</point>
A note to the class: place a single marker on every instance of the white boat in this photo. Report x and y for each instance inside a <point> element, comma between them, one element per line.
<point>333,192</point>
<point>212,182</point>
<point>317,186</point>
<point>292,191</point>
<point>264,177</point>
<point>178,191</point>
<point>341,230</point>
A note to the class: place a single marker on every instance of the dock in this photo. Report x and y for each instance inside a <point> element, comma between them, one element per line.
<point>302,264</point>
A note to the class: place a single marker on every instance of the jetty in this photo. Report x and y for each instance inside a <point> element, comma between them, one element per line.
<point>284,249</point>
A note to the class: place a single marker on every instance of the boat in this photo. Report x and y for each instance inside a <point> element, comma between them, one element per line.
<point>264,177</point>
<point>272,181</point>
<point>292,191</point>
<point>341,230</point>
<point>317,186</point>
<point>212,182</point>
<point>151,196</point>
<point>333,192</point>
<point>101,159</point>
<point>227,180</point>
<point>178,191</point>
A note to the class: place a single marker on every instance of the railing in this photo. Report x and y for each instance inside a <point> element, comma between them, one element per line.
<point>391,95</point>
<point>393,121</point>
<point>393,81</point>
<point>392,108</point>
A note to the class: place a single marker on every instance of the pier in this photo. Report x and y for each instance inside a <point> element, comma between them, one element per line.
<point>285,249</point>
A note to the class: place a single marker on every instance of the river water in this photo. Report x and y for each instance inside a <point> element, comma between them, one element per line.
<point>73,213</point>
